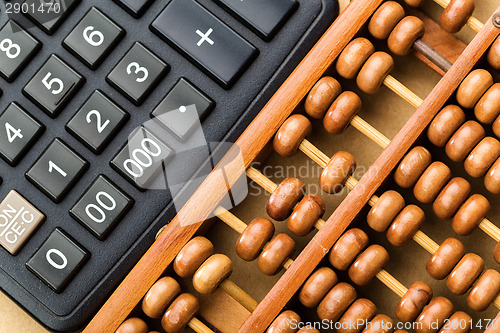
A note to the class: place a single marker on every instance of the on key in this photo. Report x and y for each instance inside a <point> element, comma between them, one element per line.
<point>204,39</point>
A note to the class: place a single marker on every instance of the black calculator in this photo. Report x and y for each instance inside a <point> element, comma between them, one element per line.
<point>99,101</point>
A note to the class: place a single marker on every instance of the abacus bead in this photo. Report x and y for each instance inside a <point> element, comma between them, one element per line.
<point>133,325</point>
<point>253,238</point>
<point>456,14</point>
<point>451,198</point>
<point>438,310</point>
<point>464,140</point>
<point>374,71</point>
<point>496,126</point>
<point>308,329</point>
<point>275,253</point>
<point>284,198</point>
<point>317,286</point>
<point>337,171</point>
<point>180,313</point>
<point>470,214</point>
<point>405,225</point>
<point>445,258</point>
<point>385,19</point>
<point>492,178</point>
<point>431,182</point>
<point>307,212</point>
<point>482,157</point>
<point>385,210</point>
<point>485,291</point>
<point>353,57</point>
<point>368,264</point>
<point>192,255</point>
<point>283,323</point>
<point>336,302</point>
<point>347,248</point>
<point>380,324</point>
<point>488,107</point>
<point>414,3</point>
<point>159,297</point>
<point>321,96</point>
<point>465,273</point>
<point>496,253</point>
<point>211,273</point>
<point>362,310</point>
<point>473,87</point>
<point>412,166</point>
<point>401,331</point>
<point>405,33</point>
<point>442,127</point>
<point>341,112</point>
<point>459,322</point>
<point>494,54</point>
<point>413,302</point>
<point>290,135</point>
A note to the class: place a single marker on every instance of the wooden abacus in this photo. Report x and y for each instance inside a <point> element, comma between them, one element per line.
<point>341,55</point>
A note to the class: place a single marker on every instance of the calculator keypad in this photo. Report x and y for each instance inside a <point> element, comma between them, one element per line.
<point>49,15</point>
<point>53,86</point>
<point>93,38</point>
<point>134,7</point>
<point>57,170</point>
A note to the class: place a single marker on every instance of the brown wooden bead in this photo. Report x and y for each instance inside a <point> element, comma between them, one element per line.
<point>385,18</point>
<point>307,212</point>
<point>494,54</point>
<point>412,166</point>
<point>385,210</point>
<point>456,14</point>
<point>431,182</point>
<point>283,323</point>
<point>482,157</point>
<point>485,291</point>
<point>405,225</point>
<point>291,134</point>
<point>380,324</point>
<point>368,264</point>
<point>401,331</point>
<point>470,214</point>
<point>308,329</point>
<point>282,201</point>
<point>488,107</point>
<point>159,297</point>
<point>362,310</point>
<point>414,3</point>
<point>254,238</point>
<point>459,322</point>
<point>374,71</point>
<point>180,313</point>
<point>337,171</point>
<point>445,124</point>
<point>321,96</point>
<point>133,325</point>
<point>405,33</point>
<point>353,57</point>
<point>192,255</point>
<point>336,301</point>
<point>465,273</point>
<point>317,286</point>
<point>341,112</point>
<point>451,198</point>
<point>496,126</point>
<point>275,253</point>
<point>464,140</point>
<point>496,253</point>
<point>438,310</point>
<point>492,178</point>
<point>473,87</point>
<point>445,258</point>
<point>211,273</point>
<point>347,248</point>
<point>413,302</point>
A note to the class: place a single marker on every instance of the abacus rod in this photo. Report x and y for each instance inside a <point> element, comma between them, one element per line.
<point>238,294</point>
<point>392,283</point>
<point>427,51</point>
<point>196,325</point>
<point>490,229</point>
<point>369,131</point>
<point>402,91</point>
<point>472,22</point>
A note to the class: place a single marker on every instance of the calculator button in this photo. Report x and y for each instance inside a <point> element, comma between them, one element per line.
<point>265,17</point>
<point>57,170</point>
<point>140,160</point>
<point>58,260</point>
<point>18,132</point>
<point>49,15</point>
<point>97,122</point>
<point>17,48</point>
<point>101,207</point>
<point>18,220</point>
<point>181,110</point>
<point>53,86</point>
<point>134,7</point>
<point>93,38</point>
<point>204,39</point>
